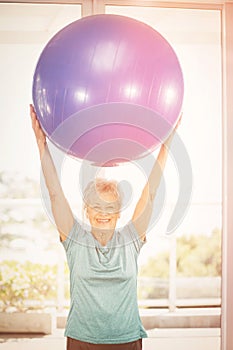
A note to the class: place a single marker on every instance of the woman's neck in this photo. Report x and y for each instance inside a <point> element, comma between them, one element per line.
<point>103,236</point>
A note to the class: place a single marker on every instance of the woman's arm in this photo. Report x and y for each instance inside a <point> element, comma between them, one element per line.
<point>143,210</point>
<point>61,210</point>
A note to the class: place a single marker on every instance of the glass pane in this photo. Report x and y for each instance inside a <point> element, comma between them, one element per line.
<point>28,239</point>
<point>24,31</point>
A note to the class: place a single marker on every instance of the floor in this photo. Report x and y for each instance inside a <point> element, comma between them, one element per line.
<point>165,339</point>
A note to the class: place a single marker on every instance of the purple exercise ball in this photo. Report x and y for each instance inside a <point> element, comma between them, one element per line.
<point>102,85</point>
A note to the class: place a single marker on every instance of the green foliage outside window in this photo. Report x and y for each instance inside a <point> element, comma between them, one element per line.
<point>197,255</point>
<point>26,286</point>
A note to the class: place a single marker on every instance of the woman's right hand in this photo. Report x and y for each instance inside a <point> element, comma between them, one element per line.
<point>39,133</point>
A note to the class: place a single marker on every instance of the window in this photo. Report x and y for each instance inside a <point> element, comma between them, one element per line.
<point>195,33</point>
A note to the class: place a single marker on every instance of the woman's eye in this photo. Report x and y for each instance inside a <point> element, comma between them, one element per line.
<point>110,209</point>
<point>96,208</point>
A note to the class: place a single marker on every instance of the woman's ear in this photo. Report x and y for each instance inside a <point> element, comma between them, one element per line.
<point>85,210</point>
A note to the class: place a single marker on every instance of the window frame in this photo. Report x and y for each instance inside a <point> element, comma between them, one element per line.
<point>90,7</point>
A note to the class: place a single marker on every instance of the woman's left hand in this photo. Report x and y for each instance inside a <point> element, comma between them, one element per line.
<point>170,137</point>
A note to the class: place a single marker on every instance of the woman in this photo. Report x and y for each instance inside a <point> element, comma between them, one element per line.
<point>103,262</point>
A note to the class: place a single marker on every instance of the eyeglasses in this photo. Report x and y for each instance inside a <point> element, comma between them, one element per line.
<point>106,208</point>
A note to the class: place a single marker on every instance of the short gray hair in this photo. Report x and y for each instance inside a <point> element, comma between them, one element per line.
<point>101,185</point>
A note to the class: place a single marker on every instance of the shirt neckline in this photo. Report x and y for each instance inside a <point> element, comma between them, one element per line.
<point>98,245</point>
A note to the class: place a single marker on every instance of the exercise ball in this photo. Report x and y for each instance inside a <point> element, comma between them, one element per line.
<point>108,89</point>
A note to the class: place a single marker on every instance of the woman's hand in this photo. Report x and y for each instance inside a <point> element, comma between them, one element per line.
<point>170,137</point>
<point>39,133</point>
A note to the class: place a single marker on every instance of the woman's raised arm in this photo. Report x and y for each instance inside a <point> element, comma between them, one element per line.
<point>61,210</point>
<point>143,210</point>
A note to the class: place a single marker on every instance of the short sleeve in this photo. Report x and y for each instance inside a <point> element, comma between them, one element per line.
<point>72,236</point>
<point>133,236</point>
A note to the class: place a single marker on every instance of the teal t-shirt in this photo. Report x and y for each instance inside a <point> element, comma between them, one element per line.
<point>103,287</point>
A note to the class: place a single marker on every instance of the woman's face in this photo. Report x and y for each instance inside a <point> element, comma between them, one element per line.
<point>103,210</point>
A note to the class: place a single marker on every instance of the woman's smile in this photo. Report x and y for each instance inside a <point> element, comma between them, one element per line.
<point>103,221</point>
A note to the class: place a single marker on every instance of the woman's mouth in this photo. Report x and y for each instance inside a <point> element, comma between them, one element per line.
<point>103,221</point>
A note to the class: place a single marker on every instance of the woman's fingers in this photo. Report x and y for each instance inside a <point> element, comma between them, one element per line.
<point>32,111</point>
<point>179,121</point>
<point>40,135</point>
<point>33,116</point>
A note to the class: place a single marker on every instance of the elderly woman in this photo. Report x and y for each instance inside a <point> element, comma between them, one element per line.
<point>102,261</point>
